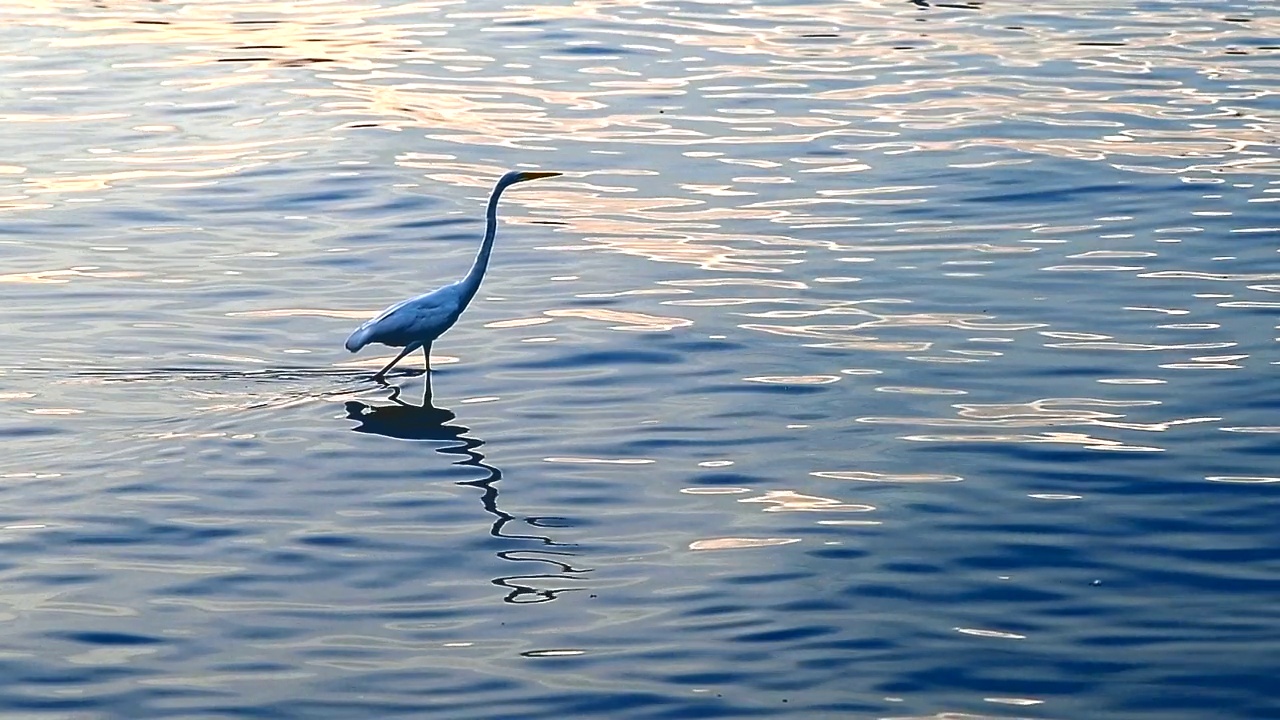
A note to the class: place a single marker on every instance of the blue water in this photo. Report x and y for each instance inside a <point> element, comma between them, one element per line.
<point>870,360</point>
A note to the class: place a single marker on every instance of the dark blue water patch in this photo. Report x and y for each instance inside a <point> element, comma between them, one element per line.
<point>384,701</point>
<point>335,540</point>
<point>415,202</point>
<point>714,610</point>
<point>720,709</point>
<point>93,308</point>
<point>286,558</point>
<point>741,620</point>
<point>16,703</point>
<point>695,346</point>
<point>595,51</point>
<point>1048,455</point>
<point>140,532</point>
<point>1013,557</point>
<point>641,705</point>
<point>728,479</point>
<point>260,633</point>
<point>970,679</point>
<point>910,568</point>
<point>1207,694</point>
<point>402,609</point>
<point>1008,592</point>
<point>48,680</point>
<point>143,216</point>
<point>18,227</point>
<point>1206,580</point>
<point>410,683</point>
<point>108,638</point>
<point>801,606</point>
<point>879,590</point>
<point>1059,194</point>
<point>316,568</point>
<point>1069,472</point>
<point>218,109</point>
<point>530,22</point>
<point>1247,446</point>
<point>789,634</point>
<point>30,430</point>
<point>704,678</point>
<point>765,578</point>
<point>837,553</point>
<point>844,646</point>
<point>322,198</point>
<point>347,263</point>
<point>606,358</point>
<point>762,388</point>
<point>57,579</point>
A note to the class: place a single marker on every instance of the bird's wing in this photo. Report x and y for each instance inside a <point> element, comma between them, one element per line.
<point>424,312</point>
<point>419,319</point>
<point>428,310</point>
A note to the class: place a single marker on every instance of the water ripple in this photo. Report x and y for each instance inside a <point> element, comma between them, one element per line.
<point>773,404</point>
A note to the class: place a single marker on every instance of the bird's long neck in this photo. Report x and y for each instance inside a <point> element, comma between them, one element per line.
<point>471,283</point>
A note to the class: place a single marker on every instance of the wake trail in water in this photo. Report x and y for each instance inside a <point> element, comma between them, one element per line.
<point>106,375</point>
<point>222,390</point>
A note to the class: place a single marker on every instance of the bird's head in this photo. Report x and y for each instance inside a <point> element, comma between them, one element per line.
<point>519,176</point>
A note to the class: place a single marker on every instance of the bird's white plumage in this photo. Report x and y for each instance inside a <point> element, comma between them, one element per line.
<point>421,318</point>
<point>417,322</point>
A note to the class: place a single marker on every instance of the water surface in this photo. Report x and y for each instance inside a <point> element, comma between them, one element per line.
<point>869,360</point>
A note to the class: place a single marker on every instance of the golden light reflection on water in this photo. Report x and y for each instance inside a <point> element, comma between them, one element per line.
<point>1047,413</point>
<point>599,461</point>
<point>740,543</point>
<point>465,96</point>
<point>621,320</point>
<point>389,66</point>
<point>61,277</point>
<point>791,501</point>
<point>795,379</point>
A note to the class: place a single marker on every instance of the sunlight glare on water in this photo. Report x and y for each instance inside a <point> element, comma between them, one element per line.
<point>869,359</point>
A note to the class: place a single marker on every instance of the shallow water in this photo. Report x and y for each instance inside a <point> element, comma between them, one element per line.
<point>870,360</point>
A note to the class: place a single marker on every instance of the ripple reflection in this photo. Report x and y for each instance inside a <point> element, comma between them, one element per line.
<point>431,424</point>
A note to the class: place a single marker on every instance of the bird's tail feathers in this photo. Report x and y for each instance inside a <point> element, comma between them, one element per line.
<point>359,338</point>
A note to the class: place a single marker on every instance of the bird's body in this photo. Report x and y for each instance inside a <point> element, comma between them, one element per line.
<point>415,323</point>
<point>412,320</point>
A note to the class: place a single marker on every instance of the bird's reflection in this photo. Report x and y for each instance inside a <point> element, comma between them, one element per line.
<point>433,424</point>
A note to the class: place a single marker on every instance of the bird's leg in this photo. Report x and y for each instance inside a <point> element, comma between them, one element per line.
<point>383,372</point>
<point>426,388</point>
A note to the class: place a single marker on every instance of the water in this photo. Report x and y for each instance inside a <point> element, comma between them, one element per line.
<point>870,360</point>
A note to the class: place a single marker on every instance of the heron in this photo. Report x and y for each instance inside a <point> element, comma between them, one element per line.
<point>417,322</point>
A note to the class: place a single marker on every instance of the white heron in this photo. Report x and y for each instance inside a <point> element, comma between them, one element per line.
<point>417,322</point>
